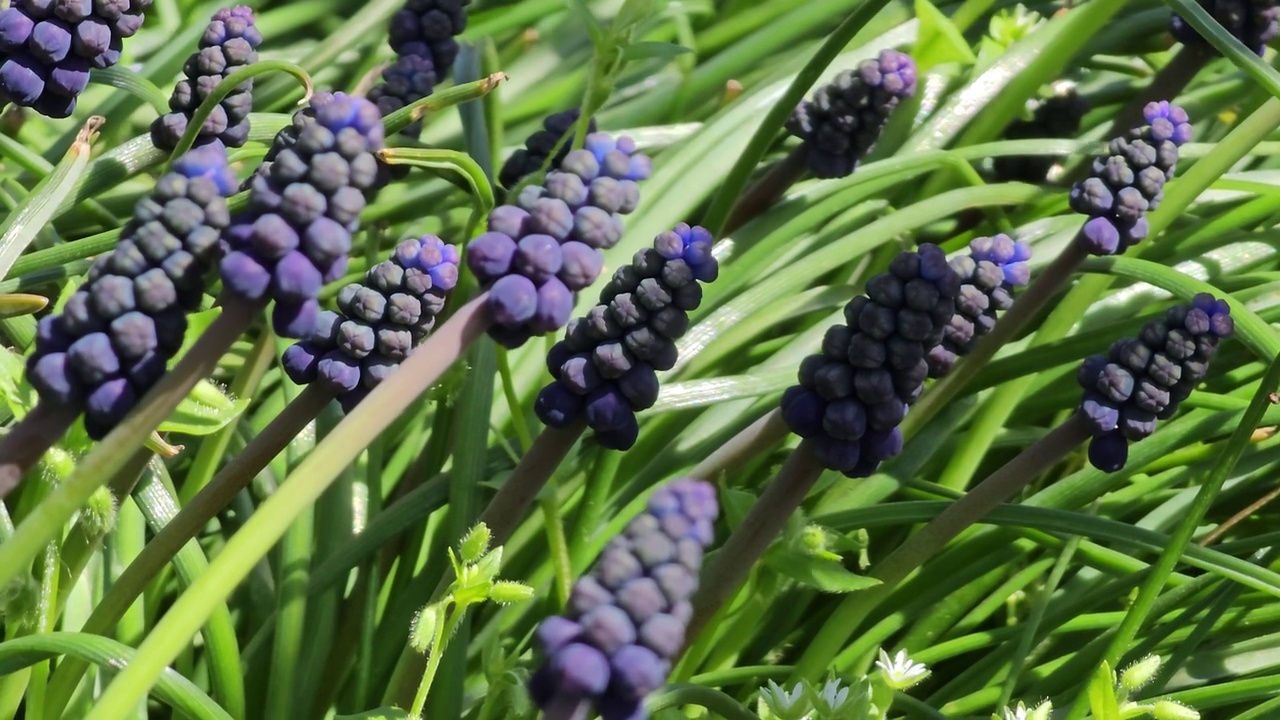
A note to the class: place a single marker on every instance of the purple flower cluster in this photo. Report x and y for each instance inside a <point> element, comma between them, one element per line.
<point>1142,380</point>
<point>229,44</point>
<point>846,117</point>
<point>48,46</point>
<point>605,368</point>
<point>989,274</point>
<point>1252,22</point>
<point>422,34</point>
<point>303,207</point>
<point>1129,181</point>
<point>626,621</point>
<point>853,396</point>
<point>119,330</point>
<point>546,247</point>
<point>1058,116</point>
<point>540,145</point>
<point>379,322</point>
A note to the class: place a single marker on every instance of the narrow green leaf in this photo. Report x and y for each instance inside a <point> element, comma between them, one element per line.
<point>939,41</point>
<point>1102,694</point>
<point>123,78</point>
<point>649,49</point>
<point>825,575</point>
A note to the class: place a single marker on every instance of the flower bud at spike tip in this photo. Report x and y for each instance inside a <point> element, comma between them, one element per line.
<point>1252,22</point>
<point>45,61</point>
<point>845,118</point>
<point>378,323</point>
<point>539,146</point>
<point>118,331</point>
<point>989,274</point>
<point>853,396</point>
<point>304,204</point>
<point>229,44</point>
<point>605,369</point>
<point>575,213</point>
<point>613,647</point>
<point>1142,380</point>
<point>422,34</point>
<point>1129,181</point>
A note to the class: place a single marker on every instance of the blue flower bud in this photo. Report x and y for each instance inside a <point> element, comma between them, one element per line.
<point>1252,22</point>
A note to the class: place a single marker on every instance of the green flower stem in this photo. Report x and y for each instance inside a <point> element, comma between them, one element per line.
<point>723,202</point>
<point>444,631</point>
<point>27,441</point>
<point>213,448</point>
<point>960,515</point>
<point>561,565</point>
<point>1036,297</point>
<point>48,518</point>
<point>599,484</point>
<point>1191,518</point>
<point>767,190</point>
<point>677,696</point>
<point>303,486</point>
<point>728,568</point>
<point>409,114</point>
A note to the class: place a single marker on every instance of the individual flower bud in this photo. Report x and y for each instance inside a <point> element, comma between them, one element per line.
<point>556,131</point>
<point>1129,181</point>
<point>611,650</point>
<point>1123,399</point>
<point>118,331</point>
<point>846,117</point>
<point>229,44</point>
<point>614,375</point>
<point>1140,673</point>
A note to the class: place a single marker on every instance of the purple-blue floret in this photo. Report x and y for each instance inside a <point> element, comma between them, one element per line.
<point>1252,22</point>
<point>229,44</point>
<point>1142,380</point>
<point>118,331</point>
<point>626,620</point>
<point>845,118</point>
<point>304,206</point>
<point>378,322</point>
<point>556,130</point>
<point>562,224</point>
<point>605,370</point>
<point>405,81</point>
<point>853,396</point>
<point>1129,181</point>
<point>994,267</point>
<point>47,48</point>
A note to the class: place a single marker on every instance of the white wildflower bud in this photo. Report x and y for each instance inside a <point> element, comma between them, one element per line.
<point>475,543</point>
<point>99,514</point>
<point>422,633</point>
<point>1140,673</point>
<point>509,591</point>
<point>1170,710</point>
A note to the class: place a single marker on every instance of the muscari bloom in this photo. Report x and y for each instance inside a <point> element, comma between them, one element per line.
<point>539,146</point>
<point>541,250</point>
<point>853,396</point>
<point>626,620</point>
<point>116,333</point>
<point>47,48</point>
<point>1058,116</point>
<point>230,43</point>
<point>378,322</point>
<point>989,274</point>
<point>1141,380</point>
<point>605,369</point>
<point>422,34</point>
<point>303,207</point>
<point>846,117</point>
<point>1129,181</point>
<point>1252,22</point>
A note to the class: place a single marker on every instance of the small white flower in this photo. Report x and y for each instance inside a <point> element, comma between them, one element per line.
<point>782,704</point>
<point>832,696</point>
<point>900,671</point>
<point>1021,712</point>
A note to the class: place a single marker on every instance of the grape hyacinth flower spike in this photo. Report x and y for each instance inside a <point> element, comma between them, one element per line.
<point>1252,22</point>
<point>994,267</point>
<point>229,43</point>
<point>116,334</point>
<point>541,250</point>
<point>1058,116</point>
<point>303,208</point>
<point>605,368</point>
<point>854,394</point>
<point>557,129</point>
<point>1123,186</point>
<point>422,34</point>
<point>47,48</point>
<point>1142,380</point>
<point>846,117</point>
<point>378,322</point>
<point>625,623</point>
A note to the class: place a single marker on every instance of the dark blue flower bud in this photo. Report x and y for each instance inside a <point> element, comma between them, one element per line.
<point>540,145</point>
<point>1252,22</point>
